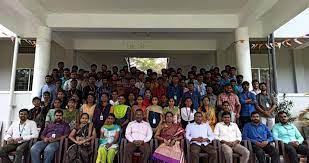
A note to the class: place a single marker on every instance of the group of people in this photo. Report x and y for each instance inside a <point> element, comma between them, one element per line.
<point>114,105</point>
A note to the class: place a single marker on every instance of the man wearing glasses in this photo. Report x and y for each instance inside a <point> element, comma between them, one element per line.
<point>291,137</point>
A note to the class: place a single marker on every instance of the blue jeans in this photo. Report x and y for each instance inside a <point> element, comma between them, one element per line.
<point>49,151</point>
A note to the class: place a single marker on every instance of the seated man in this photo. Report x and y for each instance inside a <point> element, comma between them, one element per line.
<point>230,136</point>
<point>51,136</point>
<point>138,134</point>
<point>260,137</point>
<point>291,137</point>
<point>200,136</point>
<point>18,136</point>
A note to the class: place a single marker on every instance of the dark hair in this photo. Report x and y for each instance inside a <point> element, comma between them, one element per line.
<point>184,104</point>
<point>255,112</point>
<point>60,62</point>
<point>262,84</point>
<point>282,112</point>
<point>225,102</point>
<point>112,115</point>
<point>227,85</point>
<point>139,110</point>
<point>66,69</point>
<point>233,80</point>
<point>58,111</point>
<point>91,94</point>
<point>245,83</point>
<point>190,83</point>
<point>23,110</point>
<point>84,114</point>
<point>203,105</point>
<point>197,113</point>
<point>93,65</point>
<point>55,69</point>
<point>239,76</point>
<point>226,113</point>
<point>36,98</point>
<point>74,80</point>
<point>168,113</point>
<point>233,68</point>
<point>46,92</point>
<point>48,76</point>
<point>254,81</point>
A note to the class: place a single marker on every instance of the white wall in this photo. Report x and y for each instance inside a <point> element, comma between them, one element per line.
<point>24,60</point>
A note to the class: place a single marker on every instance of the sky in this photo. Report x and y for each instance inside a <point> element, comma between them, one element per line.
<point>296,27</point>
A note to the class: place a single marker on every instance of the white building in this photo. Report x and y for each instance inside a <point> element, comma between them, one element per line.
<point>199,32</point>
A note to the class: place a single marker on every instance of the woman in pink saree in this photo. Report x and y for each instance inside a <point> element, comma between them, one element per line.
<point>169,136</point>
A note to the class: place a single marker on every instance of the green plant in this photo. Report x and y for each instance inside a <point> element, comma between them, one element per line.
<point>285,105</point>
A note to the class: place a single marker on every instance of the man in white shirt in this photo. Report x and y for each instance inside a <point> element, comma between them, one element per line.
<point>138,133</point>
<point>200,136</point>
<point>18,136</point>
<point>229,135</point>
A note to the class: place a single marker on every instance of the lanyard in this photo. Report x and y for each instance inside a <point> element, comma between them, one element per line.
<point>188,114</point>
<point>21,131</point>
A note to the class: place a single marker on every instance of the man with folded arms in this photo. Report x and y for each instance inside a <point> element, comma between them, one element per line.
<point>291,137</point>
<point>51,136</point>
<point>18,136</point>
<point>138,133</point>
<point>260,137</point>
<point>200,136</point>
<point>229,136</point>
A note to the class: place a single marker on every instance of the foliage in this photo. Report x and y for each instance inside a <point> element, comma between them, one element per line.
<point>156,64</point>
<point>285,105</point>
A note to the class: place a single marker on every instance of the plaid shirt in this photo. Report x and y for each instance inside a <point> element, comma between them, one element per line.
<point>231,98</point>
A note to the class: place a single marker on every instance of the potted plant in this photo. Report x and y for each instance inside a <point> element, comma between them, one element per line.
<point>286,106</point>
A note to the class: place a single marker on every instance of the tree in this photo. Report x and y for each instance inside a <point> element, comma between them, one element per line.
<point>156,64</point>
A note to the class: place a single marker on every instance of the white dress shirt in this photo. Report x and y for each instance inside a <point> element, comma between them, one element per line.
<point>227,132</point>
<point>187,114</point>
<point>138,131</point>
<point>28,130</point>
<point>203,130</point>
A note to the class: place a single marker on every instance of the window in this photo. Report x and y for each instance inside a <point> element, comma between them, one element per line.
<point>23,79</point>
<point>156,64</point>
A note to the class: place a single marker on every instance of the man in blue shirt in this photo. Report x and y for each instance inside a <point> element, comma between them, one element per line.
<point>260,137</point>
<point>291,137</point>
<point>48,87</point>
<point>248,103</point>
<point>174,90</point>
<point>193,94</point>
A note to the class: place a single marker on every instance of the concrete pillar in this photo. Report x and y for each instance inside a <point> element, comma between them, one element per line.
<point>42,59</point>
<point>243,60</point>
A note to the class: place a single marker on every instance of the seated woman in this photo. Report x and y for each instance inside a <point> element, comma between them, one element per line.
<point>187,112</point>
<point>208,113</point>
<point>169,136</point>
<point>108,140</point>
<point>81,150</point>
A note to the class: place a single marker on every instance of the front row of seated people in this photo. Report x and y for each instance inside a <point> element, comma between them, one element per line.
<point>139,133</point>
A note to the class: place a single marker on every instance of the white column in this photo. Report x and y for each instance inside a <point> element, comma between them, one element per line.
<point>243,59</point>
<point>42,59</point>
<point>13,77</point>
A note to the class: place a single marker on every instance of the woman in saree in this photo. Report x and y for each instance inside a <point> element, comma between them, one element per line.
<point>208,113</point>
<point>81,136</point>
<point>108,140</point>
<point>169,136</point>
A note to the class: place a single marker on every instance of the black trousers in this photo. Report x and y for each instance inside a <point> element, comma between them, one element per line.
<point>293,151</point>
<point>268,149</point>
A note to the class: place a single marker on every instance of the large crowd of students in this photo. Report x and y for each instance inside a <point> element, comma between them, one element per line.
<point>113,105</point>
